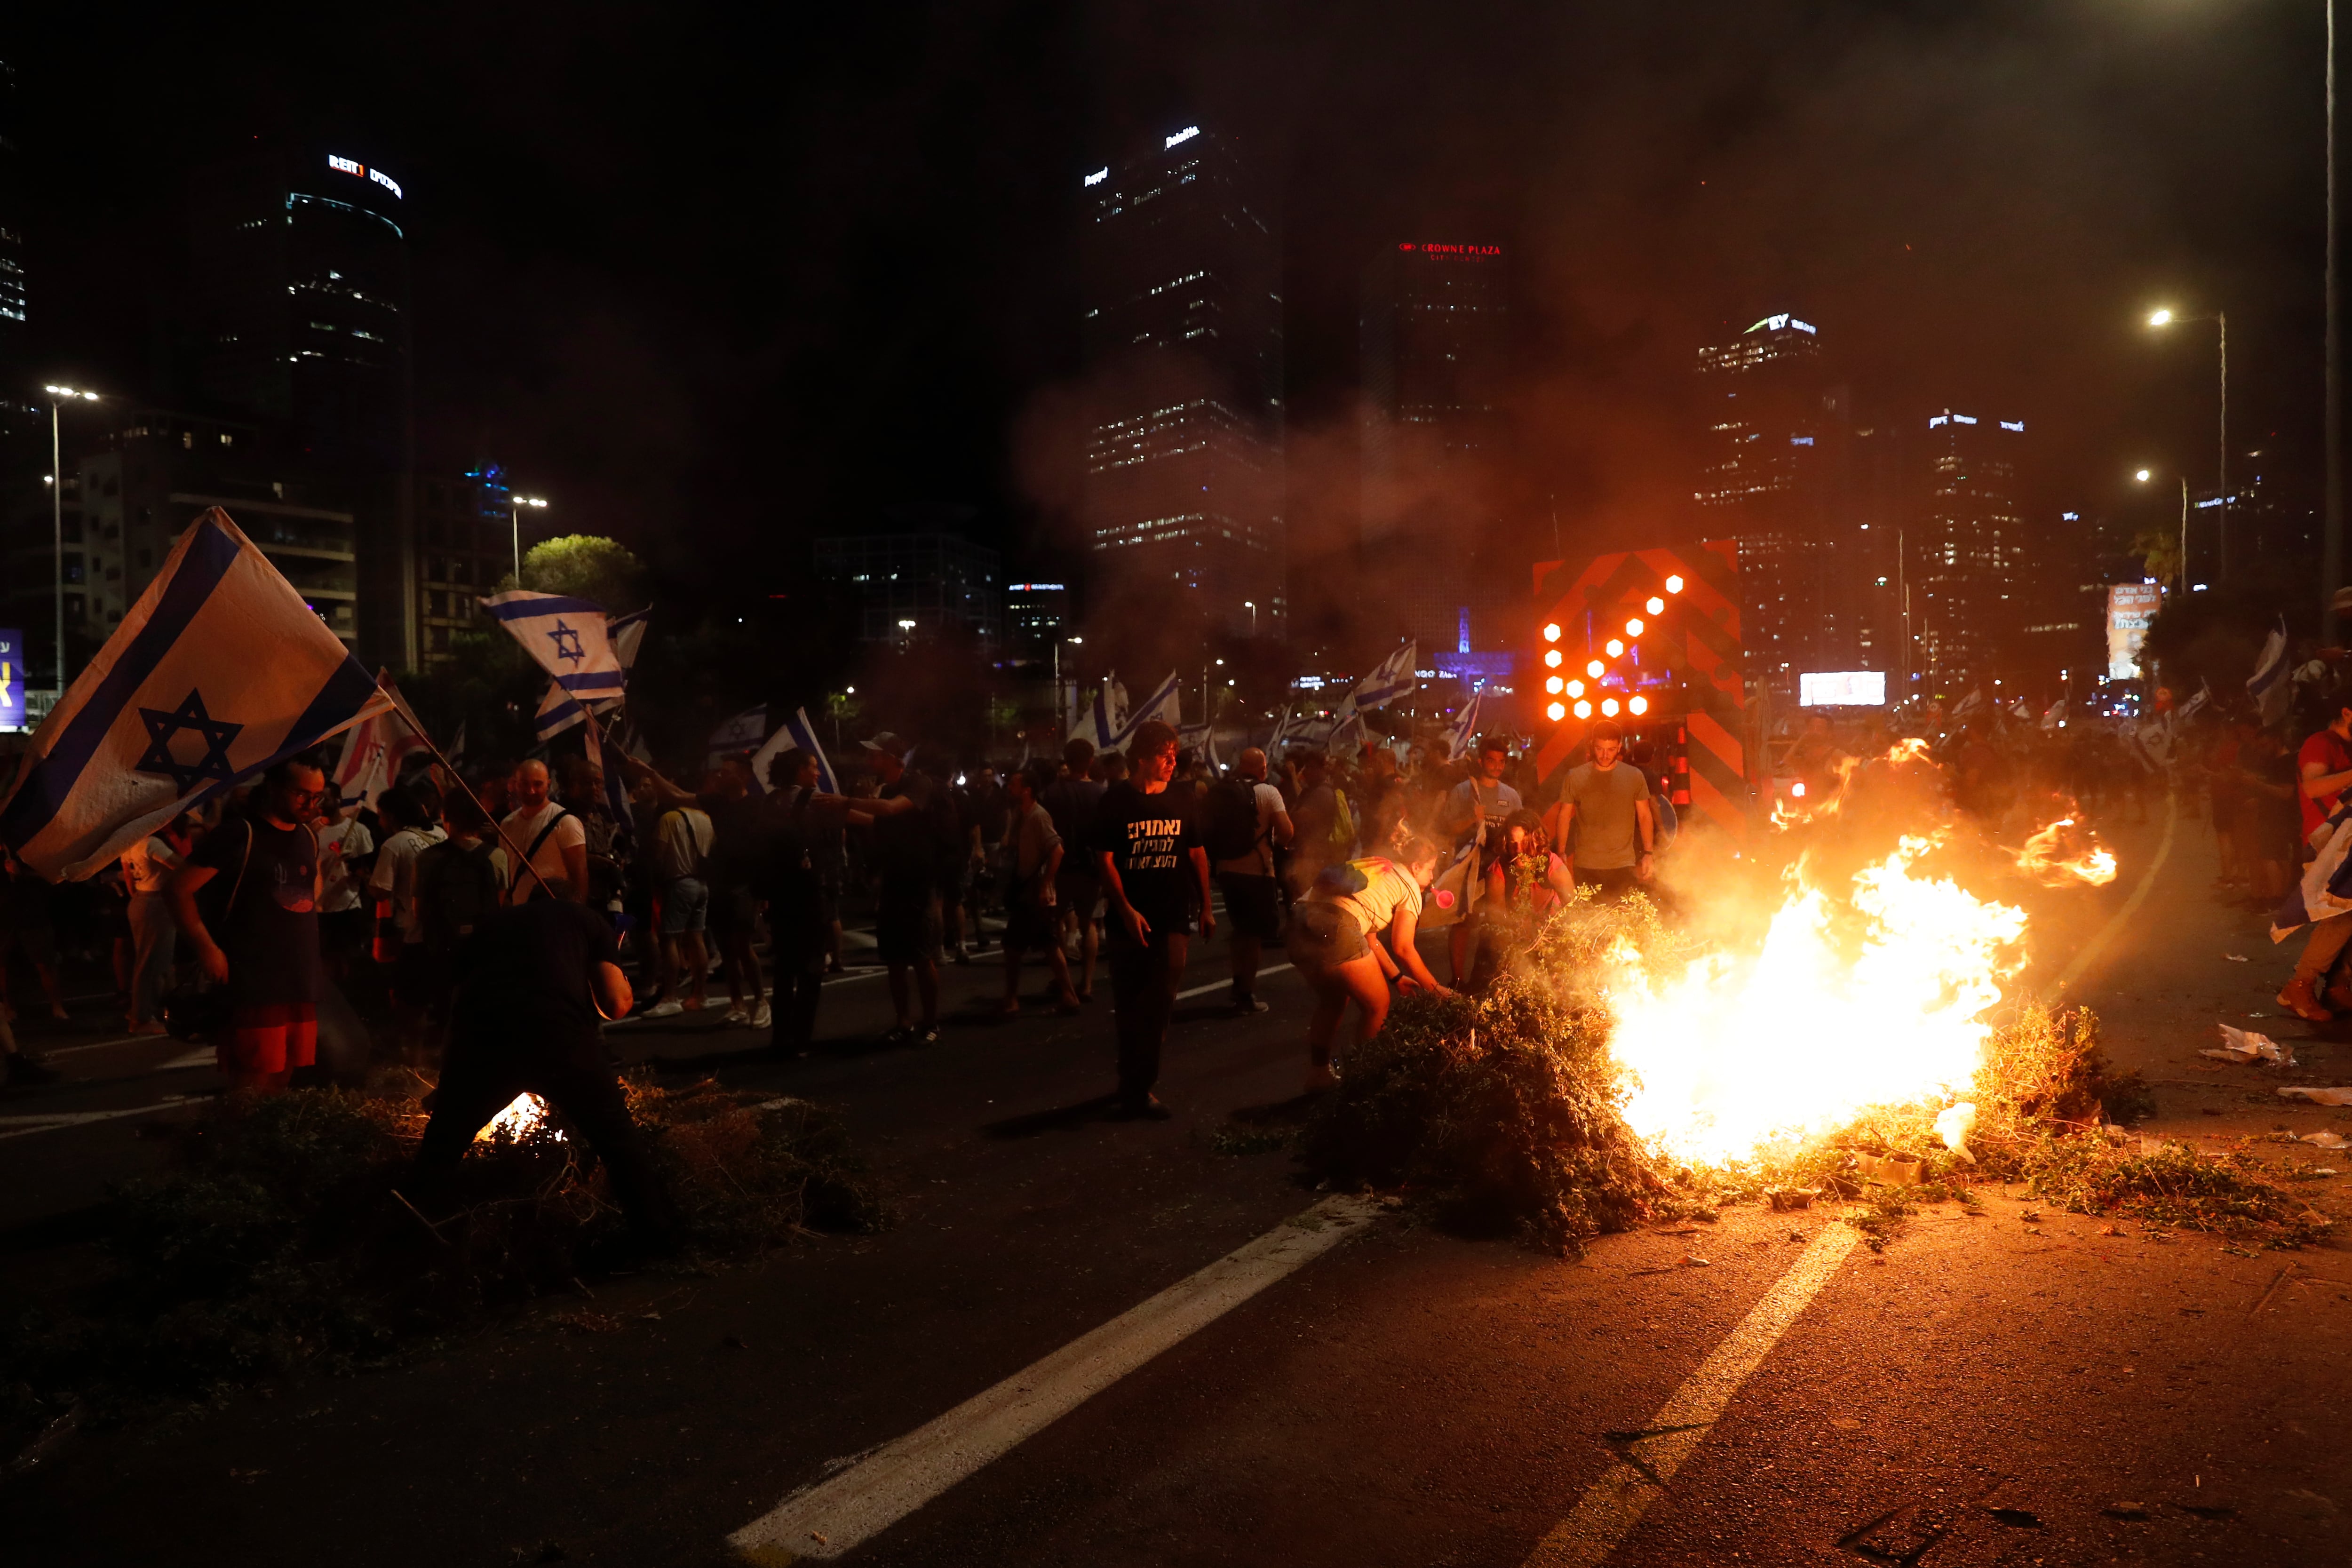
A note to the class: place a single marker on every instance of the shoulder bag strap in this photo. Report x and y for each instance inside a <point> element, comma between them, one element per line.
<point>532,853</point>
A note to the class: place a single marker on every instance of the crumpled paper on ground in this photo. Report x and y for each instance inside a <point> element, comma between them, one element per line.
<point>2325,1141</point>
<point>2318,1096</point>
<point>2246,1046</point>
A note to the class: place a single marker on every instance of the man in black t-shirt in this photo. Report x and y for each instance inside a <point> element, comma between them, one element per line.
<point>908,834</point>
<point>266,949</point>
<point>1146,849</point>
<point>1071,801</point>
<point>534,981</point>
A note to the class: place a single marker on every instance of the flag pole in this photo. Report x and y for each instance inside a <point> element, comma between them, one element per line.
<point>400,705</point>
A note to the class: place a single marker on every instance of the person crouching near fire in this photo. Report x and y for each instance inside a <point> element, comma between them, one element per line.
<point>532,983</point>
<point>1335,940</point>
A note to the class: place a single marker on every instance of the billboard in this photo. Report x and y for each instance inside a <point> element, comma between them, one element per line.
<point>2130,607</point>
<point>12,678</point>
<point>1843,689</point>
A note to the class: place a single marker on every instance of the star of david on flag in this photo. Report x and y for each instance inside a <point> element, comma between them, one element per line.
<point>218,670</point>
<point>567,636</point>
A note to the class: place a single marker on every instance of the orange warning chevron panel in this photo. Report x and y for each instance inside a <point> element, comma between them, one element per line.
<point>1671,617</point>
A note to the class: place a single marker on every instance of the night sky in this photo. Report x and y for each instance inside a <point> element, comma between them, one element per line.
<point>716,279</point>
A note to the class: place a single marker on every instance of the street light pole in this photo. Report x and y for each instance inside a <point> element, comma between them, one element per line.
<point>515,504</point>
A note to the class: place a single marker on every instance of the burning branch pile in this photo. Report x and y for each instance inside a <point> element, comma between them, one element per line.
<point>1859,1030</point>
<point>280,1238</point>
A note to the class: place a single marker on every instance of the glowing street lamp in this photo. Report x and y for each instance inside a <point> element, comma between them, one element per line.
<point>2220,319</point>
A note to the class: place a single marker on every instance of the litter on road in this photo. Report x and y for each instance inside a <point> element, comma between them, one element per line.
<point>2317,1095</point>
<point>2247,1045</point>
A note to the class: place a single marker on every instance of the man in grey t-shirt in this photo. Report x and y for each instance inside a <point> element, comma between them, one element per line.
<point>1607,831</point>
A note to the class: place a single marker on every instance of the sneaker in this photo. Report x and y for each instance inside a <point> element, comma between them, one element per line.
<point>24,1071</point>
<point>736,1015</point>
<point>899,1037</point>
<point>962,956</point>
<point>763,1017</point>
<point>928,1035</point>
<point>149,1028</point>
<point>1245,1006</point>
<point>669,1009</point>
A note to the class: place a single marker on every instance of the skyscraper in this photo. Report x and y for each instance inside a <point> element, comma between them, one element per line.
<point>13,306</point>
<point>1433,326</point>
<point>1772,453</point>
<point>1183,278</point>
<point>1966,548</point>
<point>298,300</point>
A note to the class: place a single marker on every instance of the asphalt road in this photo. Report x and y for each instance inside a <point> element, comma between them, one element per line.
<point>1990,1389</point>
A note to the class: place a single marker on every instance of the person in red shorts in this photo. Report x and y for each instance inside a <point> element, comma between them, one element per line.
<point>267,951</point>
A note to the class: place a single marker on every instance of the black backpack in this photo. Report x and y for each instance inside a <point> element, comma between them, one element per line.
<point>456,890</point>
<point>1230,828</point>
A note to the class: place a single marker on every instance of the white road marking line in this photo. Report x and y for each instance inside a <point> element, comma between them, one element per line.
<point>895,1480</point>
<point>99,1045</point>
<point>1614,1504</point>
<point>1227,983</point>
<point>80,1118</point>
<point>2122,917</point>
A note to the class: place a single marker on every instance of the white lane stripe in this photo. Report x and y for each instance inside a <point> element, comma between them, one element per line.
<point>2098,945</point>
<point>57,1124</point>
<point>895,1480</point>
<point>1226,984</point>
<point>99,1045</point>
<point>1608,1511</point>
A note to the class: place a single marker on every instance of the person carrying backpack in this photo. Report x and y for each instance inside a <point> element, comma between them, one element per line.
<point>680,862</point>
<point>1245,823</point>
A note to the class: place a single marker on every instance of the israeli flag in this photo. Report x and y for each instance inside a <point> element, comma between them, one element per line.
<point>1162,705</point>
<point>628,634</point>
<point>374,750</point>
<point>566,636</point>
<point>797,731</point>
<point>220,669</point>
<point>2327,886</point>
<point>558,711</point>
<point>747,727</point>
<point>1391,678</point>
<point>2269,684</point>
<point>1103,721</point>
<point>1465,728</point>
<point>1281,729</point>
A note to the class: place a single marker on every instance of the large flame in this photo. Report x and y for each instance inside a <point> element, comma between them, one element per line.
<point>1868,995</point>
<point>2063,854</point>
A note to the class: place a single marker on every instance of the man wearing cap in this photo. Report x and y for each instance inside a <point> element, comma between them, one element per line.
<point>906,843</point>
<point>1605,823</point>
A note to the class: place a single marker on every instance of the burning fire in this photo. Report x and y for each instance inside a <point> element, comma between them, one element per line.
<point>524,1115</point>
<point>2063,854</point>
<point>1877,996</point>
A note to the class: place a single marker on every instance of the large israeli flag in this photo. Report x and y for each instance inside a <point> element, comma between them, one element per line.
<point>374,750</point>
<point>797,731</point>
<point>1390,679</point>
<point>566,636</point>
<point>219,670</point>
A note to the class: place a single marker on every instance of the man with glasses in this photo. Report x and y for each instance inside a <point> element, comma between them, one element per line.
<point>266,910</point>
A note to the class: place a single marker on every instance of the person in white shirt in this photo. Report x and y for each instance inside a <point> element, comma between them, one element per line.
<point>549,837</point>
<point>345,847</point>
<point>416,814</point>
<point>147,867</point>
<point>1474,814</point>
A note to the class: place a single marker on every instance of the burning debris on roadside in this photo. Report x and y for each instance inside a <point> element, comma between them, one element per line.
<point>280,1238</point>
<point>1856,1043</point>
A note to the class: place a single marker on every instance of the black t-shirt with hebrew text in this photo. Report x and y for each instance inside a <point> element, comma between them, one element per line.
<point>1151,839</point>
